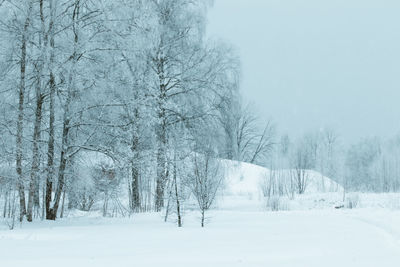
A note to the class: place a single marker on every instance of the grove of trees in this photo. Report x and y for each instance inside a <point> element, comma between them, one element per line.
<point>96,94</point>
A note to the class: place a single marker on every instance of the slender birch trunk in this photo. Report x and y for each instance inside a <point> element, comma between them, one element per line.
<point>66,116</point>
<point>20,122</point>
<point>52,87</point>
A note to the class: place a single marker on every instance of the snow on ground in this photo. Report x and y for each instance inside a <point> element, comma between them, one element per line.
<point>296,238</point>
<point>240,232</point>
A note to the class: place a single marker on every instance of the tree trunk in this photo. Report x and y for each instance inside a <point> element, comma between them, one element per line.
<point>178,205</point>
<point>6,201</point>
<point>161,133</point>
<point>61,171</point>
<point>202,218</point>
<point>162,172</point>
<point>135,196</point>
<point>43,212</point>
<point>20,126</point>
<point>35,153</point>
<point>66,116</point>
<point>50,147</point>
<point>33,196</point>
<point>161,179</point>
<point>135,205</point>
<point>62,205</point>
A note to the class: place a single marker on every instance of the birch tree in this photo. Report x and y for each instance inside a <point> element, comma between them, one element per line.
<point>205,181</point>
<point>20,122</point>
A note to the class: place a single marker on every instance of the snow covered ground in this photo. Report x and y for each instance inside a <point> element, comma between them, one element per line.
<point>240,231</point>
<point>232,238</point>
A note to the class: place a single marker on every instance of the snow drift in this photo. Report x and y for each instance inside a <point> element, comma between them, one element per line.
<point>246,184</point>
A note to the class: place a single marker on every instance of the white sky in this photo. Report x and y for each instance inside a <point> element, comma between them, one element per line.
<point>310,64</point>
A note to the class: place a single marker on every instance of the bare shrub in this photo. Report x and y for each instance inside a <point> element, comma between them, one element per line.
<point>352,201</point>
<point>277,203</point>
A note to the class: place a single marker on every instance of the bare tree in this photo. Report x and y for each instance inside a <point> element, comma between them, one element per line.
<point>173,60</point>
<point>52,92</point>
<point>186,73</point>
<point>251,144</point>
<point>302,162</point>
<point>205,181</point>
<point>70,88</point>
<point>24,41</point>
<point>177,194</point>
<point>264,143</point>
<point>33,196</point>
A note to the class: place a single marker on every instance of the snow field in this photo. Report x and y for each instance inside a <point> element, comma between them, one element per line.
<point>240,231</point>
<point>295,238</point>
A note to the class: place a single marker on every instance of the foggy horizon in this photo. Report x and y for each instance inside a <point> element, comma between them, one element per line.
<point>309,65</point>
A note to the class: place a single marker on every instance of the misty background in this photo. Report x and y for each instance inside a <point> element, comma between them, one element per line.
<point>312,65</point>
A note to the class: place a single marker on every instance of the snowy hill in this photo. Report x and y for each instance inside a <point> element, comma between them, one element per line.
<point>246,184</point>
<point>245,178</point>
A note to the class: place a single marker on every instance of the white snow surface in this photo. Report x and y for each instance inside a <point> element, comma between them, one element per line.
<point>238,232</point>
<point>296,238</point>
<point>243,187</point>
<point>245,178</point>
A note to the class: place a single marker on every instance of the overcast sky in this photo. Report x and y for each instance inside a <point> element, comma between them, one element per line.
<point>310,64</point>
